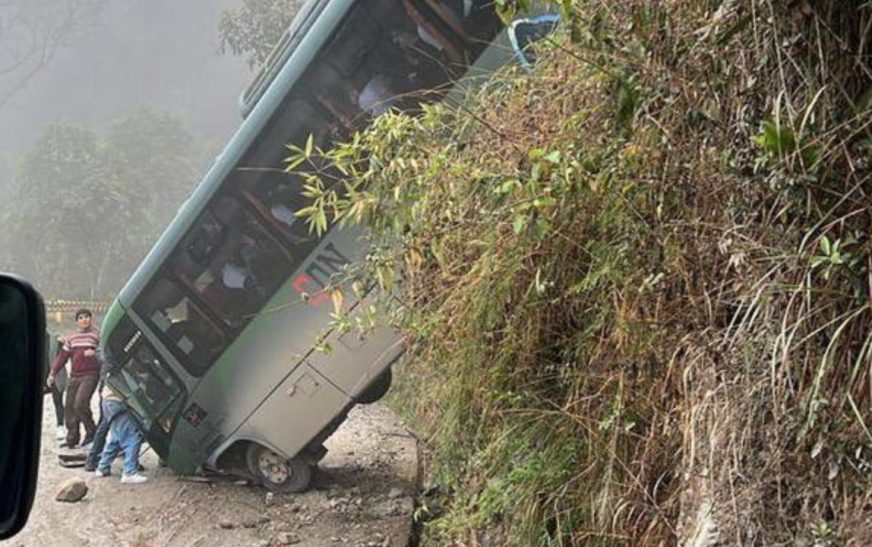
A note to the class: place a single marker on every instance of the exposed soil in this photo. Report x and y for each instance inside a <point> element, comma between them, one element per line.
<point>362,495</point>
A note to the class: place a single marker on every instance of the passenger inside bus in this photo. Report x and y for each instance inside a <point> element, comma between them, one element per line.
<point>282,213</point>
<point>185,328</point>
<point>204,241</point>
<point>376,62</point>
<point>226,286</point>
<point>377,96</point>
<point>244,269</point>
<point>236,276</point>
<point>277,197</point>
<point>149,383</point>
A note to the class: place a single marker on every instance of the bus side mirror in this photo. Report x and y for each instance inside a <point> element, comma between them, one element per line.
<point>524,33</point>
<point>22,375</point>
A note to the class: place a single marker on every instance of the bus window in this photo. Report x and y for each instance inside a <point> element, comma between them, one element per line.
<point>244,270</point>
<point>292,123</point>
<point>351,44</point>
<point>268,189</point>
<point>342,80</point>
<point>369,91</point>
<point>277,197</point>
<point>394,67</point>
<point>181,324</point>
<point>334,94</point>
<point>395,78</point>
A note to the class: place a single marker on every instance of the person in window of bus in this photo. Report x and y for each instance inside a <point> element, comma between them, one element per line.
<point>377,96</point>
<point>207,237</point>
<point>235,275</point>
<point>283,214</point>
<point>124,437</point>
<point>81,349</point>
<point>251,264</point>
<point>284,199</point>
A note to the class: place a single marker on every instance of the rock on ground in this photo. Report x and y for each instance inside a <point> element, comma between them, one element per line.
<point>72,490</point>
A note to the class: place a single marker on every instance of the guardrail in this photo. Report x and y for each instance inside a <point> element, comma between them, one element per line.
<point>57,309</point>
<point>53,306</point>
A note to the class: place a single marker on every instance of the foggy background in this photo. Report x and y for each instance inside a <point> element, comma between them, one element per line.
<point>125,109</point>
<point>159,53</point>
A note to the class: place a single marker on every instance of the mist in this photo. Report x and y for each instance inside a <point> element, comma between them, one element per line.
<point>157,53</point>
<point>108,120</point>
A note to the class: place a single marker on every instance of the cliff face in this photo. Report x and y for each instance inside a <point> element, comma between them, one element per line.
<point>637,280</point>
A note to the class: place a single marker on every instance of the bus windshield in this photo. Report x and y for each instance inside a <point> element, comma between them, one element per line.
<point>152,391</point>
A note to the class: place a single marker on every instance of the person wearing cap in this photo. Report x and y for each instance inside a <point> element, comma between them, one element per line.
<point>81,349</point>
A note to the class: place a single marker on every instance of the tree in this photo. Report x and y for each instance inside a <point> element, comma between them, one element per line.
<point>50,220</point>
<point>88,209</point>
<point>155,158</point>
<point>31,34</point>
<point>253,29</point>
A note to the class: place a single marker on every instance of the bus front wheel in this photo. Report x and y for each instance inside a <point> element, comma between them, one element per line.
<point>277,473</point>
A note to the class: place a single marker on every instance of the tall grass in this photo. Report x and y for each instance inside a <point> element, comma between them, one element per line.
<point>636,283</point>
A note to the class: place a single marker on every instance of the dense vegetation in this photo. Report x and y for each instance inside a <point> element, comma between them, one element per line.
<point>637,281</point>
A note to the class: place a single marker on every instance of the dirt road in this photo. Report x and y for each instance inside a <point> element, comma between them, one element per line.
<point>362,495</point>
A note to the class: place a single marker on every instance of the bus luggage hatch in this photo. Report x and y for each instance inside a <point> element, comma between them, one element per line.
<point>297,411</point>
<point>356,359</point>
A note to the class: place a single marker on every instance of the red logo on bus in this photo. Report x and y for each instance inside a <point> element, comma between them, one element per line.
<point>310,291</point>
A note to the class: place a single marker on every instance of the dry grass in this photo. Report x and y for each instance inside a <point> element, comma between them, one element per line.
<point>638,280</point>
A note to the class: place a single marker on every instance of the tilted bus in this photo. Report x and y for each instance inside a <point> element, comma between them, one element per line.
<point>212,340</point>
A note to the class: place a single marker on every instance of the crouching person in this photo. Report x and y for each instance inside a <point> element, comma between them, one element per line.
<point>109,409</point>
<point>124,437</point>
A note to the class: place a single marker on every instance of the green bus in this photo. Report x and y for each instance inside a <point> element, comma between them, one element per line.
<point>212,342</point>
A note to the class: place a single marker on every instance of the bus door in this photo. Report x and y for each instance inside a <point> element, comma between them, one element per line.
<point>153,391</point>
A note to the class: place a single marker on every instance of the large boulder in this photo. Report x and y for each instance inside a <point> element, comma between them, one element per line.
<point>72,490</point>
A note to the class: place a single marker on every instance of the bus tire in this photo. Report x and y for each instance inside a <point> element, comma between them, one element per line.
<point>276,473</point>
<point>377,389</point>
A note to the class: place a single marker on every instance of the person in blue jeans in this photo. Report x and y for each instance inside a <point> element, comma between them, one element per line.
<point>108,410</point>
<point>124,437</point>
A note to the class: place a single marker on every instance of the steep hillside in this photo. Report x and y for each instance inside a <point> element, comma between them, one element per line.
<point>637,280</point>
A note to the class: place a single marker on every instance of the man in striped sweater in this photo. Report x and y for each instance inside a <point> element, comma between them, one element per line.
<point>81,350</point>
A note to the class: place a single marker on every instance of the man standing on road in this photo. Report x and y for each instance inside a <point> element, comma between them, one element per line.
<point>53,347</point>
<point>81,349</point>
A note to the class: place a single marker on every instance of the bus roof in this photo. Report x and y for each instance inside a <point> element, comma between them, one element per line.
<point>278,57</point>
<point>319,28</point>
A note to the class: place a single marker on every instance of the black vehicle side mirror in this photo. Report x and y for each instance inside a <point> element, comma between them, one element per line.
<point>22,375</point>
